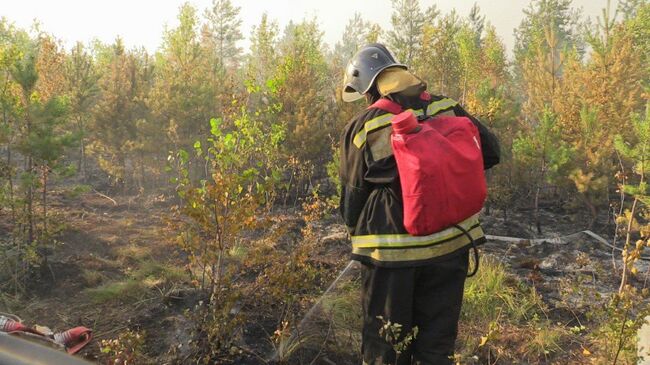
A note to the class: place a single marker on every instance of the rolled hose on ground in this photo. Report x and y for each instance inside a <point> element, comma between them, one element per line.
<point>18,351</point>
<point>559,240</point>
<point>534,240</point>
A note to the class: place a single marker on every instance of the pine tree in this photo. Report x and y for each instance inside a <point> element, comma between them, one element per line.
<point>476,22</point>
<point>541,74</point>
<point>146,148</point>
<point>47,145</point>
<point>439,58</point>
<point>548,16</point>
<point>543,150</point>
<point>50,66</point>
<point>355,35</point>
<point>595,103</point>
<point>114,128</point>
<point>469,54</point>
<point>408,20</point>
<point>638,27</point>
<point>183,96</point>
<point>630,8</point>
<point>36,113</point>
<point>83,93</point>
<point>262,59</point>
<point>550,29</point>
<point>9,111</point>
<point>24,74</point>
<point>303,90</point>
<point>223,33</point>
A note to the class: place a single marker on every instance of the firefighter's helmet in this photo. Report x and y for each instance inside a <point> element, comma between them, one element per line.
<point>363,68</point>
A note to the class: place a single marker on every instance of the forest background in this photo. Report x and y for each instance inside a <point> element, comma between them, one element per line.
<point>228,136</point>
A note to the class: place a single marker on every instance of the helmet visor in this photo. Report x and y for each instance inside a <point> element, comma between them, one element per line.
<point>349,94</point>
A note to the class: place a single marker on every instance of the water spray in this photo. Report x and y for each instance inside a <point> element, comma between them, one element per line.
<point>308,316</point>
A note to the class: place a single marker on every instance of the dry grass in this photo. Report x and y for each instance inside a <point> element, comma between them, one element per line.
<point>133,252</point>
<point>92,278</point>
<point>505,320</point>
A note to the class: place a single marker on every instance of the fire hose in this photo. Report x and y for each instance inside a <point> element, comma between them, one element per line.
<point>22,344</point>
<point>560,240</point>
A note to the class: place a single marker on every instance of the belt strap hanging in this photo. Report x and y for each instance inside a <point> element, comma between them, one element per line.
<point>474,248</point>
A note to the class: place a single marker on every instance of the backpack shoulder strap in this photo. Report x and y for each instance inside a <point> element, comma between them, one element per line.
<point>387,105</point>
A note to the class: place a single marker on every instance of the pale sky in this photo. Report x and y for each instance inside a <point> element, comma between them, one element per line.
<point>141,22</point>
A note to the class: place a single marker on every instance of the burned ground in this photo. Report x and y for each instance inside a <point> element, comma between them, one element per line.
<point>117,268</point>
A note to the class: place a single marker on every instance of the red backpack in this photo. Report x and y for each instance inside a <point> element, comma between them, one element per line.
<point>440,166</point>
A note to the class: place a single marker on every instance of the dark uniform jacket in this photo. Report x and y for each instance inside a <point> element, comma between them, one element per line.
<point>371,201</point>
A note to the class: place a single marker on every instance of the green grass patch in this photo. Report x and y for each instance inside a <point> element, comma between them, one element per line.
<point>493,293</point>
<point>238,252</point>
<point>128,290</point>
<point>139,283</point>
<point>166,272</point>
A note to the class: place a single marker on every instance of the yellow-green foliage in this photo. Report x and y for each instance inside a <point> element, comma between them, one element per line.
<point>127,348</point>
<point>623,314</point>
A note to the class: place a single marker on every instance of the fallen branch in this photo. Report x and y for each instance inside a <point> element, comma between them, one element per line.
<point>105,196</point>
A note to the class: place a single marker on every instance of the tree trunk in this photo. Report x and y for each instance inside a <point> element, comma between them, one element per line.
<point>628,239</point>
<point>143,176</point>
<point>464,87</point>
<point>29,169</point>
<point>11,188</point>
<point>30,203</point>
<point>82,150</point>
<point>83,161</point>
<point>45,175</point>
<point>537,220</point>
<point>593,210</point>
<point>45,266</point>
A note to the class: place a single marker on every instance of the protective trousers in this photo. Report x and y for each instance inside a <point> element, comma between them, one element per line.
<point>429,297</point>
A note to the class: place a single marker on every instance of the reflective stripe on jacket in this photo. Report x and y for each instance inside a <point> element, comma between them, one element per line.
<point>371,202</point>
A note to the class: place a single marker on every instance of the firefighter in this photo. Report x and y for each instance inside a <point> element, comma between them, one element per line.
<point>408,280</point>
